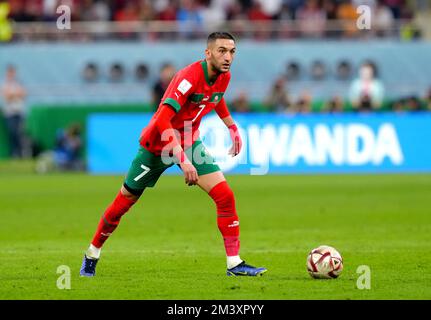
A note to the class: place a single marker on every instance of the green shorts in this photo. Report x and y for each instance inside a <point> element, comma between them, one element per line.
<point>146,168</point>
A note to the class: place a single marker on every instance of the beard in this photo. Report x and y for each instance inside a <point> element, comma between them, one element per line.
<point>219,69</point>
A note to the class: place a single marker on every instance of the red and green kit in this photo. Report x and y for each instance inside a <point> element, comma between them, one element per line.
<point>191,95</point>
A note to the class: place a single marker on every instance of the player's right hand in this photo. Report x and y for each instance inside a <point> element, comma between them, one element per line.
<point>190,173</point>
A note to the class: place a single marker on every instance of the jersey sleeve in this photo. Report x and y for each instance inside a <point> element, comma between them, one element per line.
<point>221,109</point>
<point>180,88</point>
<point>163,119</point>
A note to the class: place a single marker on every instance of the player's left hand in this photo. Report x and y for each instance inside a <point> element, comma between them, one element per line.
<point>236,140</point>
<point>190,173</point>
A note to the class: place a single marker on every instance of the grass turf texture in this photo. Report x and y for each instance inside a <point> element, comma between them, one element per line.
<point>169,247</point>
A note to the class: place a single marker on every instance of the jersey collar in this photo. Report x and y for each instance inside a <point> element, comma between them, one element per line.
<point>204,65</point>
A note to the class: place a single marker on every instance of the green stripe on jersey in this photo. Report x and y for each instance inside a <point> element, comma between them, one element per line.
<point>196,97</point>
<point>173,103</point>
<point>205,67</point>
<point>216,97</point>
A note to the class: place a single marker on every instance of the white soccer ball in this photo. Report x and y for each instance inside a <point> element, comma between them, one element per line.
<point>324,262</point>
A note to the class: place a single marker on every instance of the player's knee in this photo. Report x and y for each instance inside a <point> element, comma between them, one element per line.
<point>130,193</point>
<point>224,198</point>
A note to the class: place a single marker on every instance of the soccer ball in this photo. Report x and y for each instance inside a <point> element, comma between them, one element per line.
<point>324,262</point>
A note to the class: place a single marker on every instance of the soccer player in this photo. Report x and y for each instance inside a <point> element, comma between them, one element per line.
<point>172,136</point>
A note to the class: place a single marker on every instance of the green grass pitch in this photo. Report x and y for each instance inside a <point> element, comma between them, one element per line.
<point>169,247</point>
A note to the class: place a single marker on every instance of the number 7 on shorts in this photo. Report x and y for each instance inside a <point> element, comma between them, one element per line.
<point>143,173</point>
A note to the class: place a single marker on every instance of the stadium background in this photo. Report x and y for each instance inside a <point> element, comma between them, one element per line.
<point>296,63</point>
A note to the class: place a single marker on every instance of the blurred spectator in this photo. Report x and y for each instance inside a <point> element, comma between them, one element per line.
<point>294,5</point>
<point>410,103</point>
<point>26,11</point>
<point>234,11</point>
<point>5,24</point>
<point>237,16</point>
<point>409,30</point>
<point>382,20</point>
<point>14,94</point>
<point>346,12</point>
<point>365,104</point>
<point>190,20</point>
<point>66,155</point>
<point>334,105</point>
<point>303,104</point>
<point>398,105</point>
<point>241,103</point>
<point>49,10</point>
<point>278,99</point>
<point>330,8</point>
<point>395,6</point>
<point>312,19</point>
<point>146,11</point>
<point>168,12</point>
<point>161,5</point>
<point>366,92</point>
<point>196,17</point>
<point>256,13</point>
<point>271,7</point>
<point>167,72</point>
<point>260,19</point>
<point>285,17</point>
<point>97,10</point>
<point>94,10</point>
<point>413,104</point>
<point>68,148</point>
<point>128,13</point>
<point>214,15</point>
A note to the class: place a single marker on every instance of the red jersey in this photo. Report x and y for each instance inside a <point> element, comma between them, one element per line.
<point>192,95</point>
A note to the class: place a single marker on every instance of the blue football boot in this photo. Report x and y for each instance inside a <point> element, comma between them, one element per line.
<point>88,268</point>
<point>244,269</point>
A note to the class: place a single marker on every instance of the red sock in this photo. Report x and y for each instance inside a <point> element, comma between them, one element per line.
<point>227,219</point>
<point>111,218</point>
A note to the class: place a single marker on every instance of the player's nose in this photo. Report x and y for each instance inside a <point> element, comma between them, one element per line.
<point>228,57</point>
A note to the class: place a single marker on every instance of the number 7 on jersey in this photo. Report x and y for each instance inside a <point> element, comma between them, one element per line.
<point>202,106</point>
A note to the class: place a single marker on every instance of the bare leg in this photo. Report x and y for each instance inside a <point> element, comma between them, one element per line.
<point>129,195</point>
<point>210,180</point>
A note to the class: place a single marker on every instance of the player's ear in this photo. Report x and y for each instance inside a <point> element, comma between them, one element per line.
<point>207,53</point>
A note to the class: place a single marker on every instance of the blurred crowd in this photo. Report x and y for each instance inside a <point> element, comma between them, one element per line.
<point>279,100</point>
<point>313,18</point>
<point>119,10</point>
<point>366,93</point>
